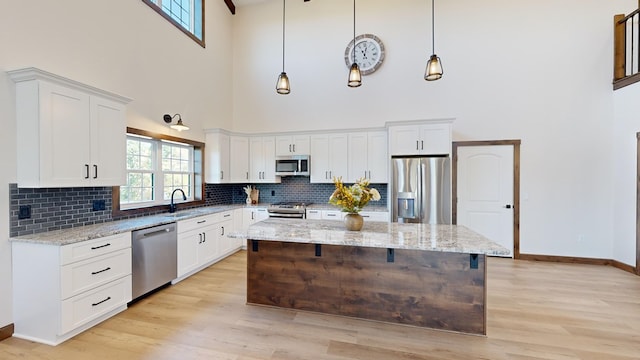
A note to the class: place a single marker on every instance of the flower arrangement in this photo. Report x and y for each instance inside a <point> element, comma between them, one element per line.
<point>352,199</point>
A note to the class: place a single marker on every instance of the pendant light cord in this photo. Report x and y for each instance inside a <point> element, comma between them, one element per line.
<point>433,26</point>
<point>354,32</point>
<point>283,13</point>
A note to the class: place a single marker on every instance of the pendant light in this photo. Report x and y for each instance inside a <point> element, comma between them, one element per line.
<point>355,78</point>
<point>434,65</point>
<point>282,85</point>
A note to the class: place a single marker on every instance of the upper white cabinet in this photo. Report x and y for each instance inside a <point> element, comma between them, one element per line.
<point>328,157</point>
<point>68,134</point>
<point>292,145</point>
<point>420,139</point>
<point>262,151</point>
<point>217,158</point>
<point>238,158</point>
<point>368,157</point>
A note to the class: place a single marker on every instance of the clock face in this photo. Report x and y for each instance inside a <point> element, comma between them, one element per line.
<point>369,53</point>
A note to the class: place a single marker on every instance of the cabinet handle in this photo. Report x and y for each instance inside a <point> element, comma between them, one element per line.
<point>252,213</point>
<point>86,168</point>
<point>422,143</point>
<point>331,215</point>
<point>201,222</point>
<point>101,246</point>
<point>100,302</point>
<point>226,215</point>
<point>247,175</point>
<point>294,147</point>
<point>222,231</point>
<point>100,271</point>
<point>417,145</point>
<point>95,171</point>
<point>221,175</point>
<point>330,174</point>
<point>200,236</point>
<point>204,237</point>
<point>289,147</point>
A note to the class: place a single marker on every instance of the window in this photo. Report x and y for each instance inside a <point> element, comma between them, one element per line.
<point>156,166</point>
<point>187,15</point>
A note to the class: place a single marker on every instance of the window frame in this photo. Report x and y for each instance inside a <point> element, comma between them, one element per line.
<point>175,23</point>
<point>198,179</point>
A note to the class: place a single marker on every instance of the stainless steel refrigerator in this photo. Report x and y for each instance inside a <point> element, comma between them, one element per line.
<point>421,190</point>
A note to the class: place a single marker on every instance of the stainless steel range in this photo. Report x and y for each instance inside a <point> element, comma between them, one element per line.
<point>288,209</point>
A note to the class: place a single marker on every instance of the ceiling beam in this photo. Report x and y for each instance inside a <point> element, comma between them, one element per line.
<point>231,6</point>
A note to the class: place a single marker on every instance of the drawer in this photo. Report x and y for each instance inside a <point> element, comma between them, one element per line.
<point>314,214</point>
<point>81,309</point>
<point>332,215</point>
<point>90,248</point>
<point>197,222</point>
<point>84,275</point>
<point>225,215</point>
<point>375,215</point>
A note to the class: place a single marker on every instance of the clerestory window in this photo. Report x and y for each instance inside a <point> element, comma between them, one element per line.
<point>186,15</point>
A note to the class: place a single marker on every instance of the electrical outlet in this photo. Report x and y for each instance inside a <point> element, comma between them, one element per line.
<point>98,205</point>
<point>24,212</point>
<point>273,193</point>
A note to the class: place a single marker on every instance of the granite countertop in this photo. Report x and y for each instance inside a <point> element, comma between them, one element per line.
<point>83,233</point>
<point>446,238</point>
<point>327,206</point>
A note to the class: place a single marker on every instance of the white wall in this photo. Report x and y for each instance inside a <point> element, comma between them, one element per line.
<point>626,125</point>
<point>122,46</point>
<point>539,71</point>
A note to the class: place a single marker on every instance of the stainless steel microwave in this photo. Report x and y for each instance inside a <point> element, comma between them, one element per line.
<point>292,165</point>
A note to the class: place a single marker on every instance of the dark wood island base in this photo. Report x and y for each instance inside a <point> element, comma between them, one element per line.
<point>432,289</point>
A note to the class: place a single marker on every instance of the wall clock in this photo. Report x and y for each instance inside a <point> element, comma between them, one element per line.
<point>369,52</point>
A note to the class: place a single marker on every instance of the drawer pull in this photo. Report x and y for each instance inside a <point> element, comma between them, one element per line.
<point>100,271</point>
<point>202,221</point>
<point>226,215</point>
<point>100,302</point>
<point>101,246</point>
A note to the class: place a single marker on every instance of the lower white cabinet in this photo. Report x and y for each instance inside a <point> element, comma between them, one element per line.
<point>339,215</point>
<point>60,291</point>
<point>203,241</point>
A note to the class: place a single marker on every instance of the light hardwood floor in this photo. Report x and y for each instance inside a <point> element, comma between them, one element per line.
<point>535,311</point>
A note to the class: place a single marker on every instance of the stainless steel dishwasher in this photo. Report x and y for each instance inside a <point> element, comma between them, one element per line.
<point>154,258</point>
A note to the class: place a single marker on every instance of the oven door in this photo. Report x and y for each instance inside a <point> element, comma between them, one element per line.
<point>286,215</point>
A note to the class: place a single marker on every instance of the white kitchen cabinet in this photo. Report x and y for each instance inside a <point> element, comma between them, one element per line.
<point>252,215</point>
<point>60,291</point>
<point>292,145</point>
<point>238,159</point>
<point>237,227</point>
<point>329,157</point>
<point>375,215</point>
<point>314,214</point>
<point>203,241</point>
<point>420,139</point>
<point>68,134</point>
<point>262,152</point>
<point>368,157</point>
<point>217,158</point>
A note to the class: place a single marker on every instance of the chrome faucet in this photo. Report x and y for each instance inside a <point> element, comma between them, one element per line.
<point>172,206</point>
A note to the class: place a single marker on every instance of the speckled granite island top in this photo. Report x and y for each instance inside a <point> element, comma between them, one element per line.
<point>445,238</point>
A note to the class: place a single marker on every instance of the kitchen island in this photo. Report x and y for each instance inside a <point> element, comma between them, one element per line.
<point>414,274</point>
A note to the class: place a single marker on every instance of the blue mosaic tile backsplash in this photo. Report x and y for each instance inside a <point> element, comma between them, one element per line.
<point>62,208</point>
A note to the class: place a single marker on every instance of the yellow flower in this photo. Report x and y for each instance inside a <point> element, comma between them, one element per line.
<point>353,198</point>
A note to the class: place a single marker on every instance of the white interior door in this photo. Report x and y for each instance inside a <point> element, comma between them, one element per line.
<point>485,192</point>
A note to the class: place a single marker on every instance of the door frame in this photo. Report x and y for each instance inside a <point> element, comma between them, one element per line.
<point>516,185</point>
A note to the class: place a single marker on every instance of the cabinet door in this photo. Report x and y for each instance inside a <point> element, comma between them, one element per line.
<point>108,142</point>
<point>436,138</point>
<point>319,153</point>
<point>377,158</point>
<point>256,162</point>
<point>65,141</point>
<point>238,159</point>
<point>209,248</point>
<point>338,160</point>
<point>301,144</point>
<point>238,219</point>
<point>314,214</point>
<point>188,246</point>
<point>358,167</point>
<point>404,140</point>
<point>217,158</point>
<point>269,155</point>
<point>226,244</point>
<point>284,145</point>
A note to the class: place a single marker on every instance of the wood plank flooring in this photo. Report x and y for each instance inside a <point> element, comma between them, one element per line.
<point>536,310</point>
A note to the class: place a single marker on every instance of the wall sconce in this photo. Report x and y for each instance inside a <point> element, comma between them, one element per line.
<point>178,126</point>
